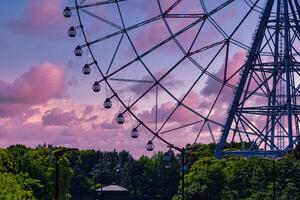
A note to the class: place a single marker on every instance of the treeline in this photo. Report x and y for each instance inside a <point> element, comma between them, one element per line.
<point>144,178</point>
<point>239,178</point>
<point>27,173</point>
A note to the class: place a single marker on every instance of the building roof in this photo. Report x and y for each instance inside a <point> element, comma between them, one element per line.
<point>112,188</point>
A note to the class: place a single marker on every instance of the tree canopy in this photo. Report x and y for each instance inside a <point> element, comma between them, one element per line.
<point>27,173</point>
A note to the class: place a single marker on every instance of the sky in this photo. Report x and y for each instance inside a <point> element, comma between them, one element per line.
<point>45,98</point>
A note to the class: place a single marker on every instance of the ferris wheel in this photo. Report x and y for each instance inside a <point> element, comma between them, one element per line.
<point>176,67</point>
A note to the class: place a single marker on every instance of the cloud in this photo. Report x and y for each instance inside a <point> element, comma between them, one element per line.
<point>64,122</point>
<point>57,117</point>
<point>41,17</point>
<point>110,125</point>
<point>37,86</point>
<point>88,110</point>
<point>212,87</point>
<point>181,115</point>
<point>170,82</point>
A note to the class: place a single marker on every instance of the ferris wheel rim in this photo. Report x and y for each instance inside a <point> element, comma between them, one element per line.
<point>127,108</point>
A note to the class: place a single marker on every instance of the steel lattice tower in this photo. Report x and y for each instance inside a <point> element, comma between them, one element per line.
<point>264,111</point>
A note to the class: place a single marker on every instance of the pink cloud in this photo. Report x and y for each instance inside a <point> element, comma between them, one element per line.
<point>150,35</point>
<point>181,115</point>
<point>41,17</point>
<point>71,128</point>
<point>57,117</point>
<point>110,125</point>
<point>37,86</point>
<point>88,110</point>
<point>212,87</point>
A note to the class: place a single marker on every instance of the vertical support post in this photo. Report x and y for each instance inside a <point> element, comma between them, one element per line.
<point>57,177</point>
<point>182,173</point>
<point>275,72</point>
<point>274,175</point>
<point>57,155</point>
<point>165,182</point>
<point>288,71</point>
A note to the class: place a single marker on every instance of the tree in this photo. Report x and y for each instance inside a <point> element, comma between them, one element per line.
<point>205,180</point>
<point>13,188</point>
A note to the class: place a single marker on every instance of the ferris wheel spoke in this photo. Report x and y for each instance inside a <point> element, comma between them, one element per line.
<point>220,7</point>
<point>98,3</point>
<point>210,111</point>
<point>244,19</point>
<point>203,6</point>
<point>181,127</point>
<point>217,27</point>
<point>172,6</point>
<point>180,102</point>
<point>215,101</point>
<point>239,44</point>
<point>115,53</point>
<point>157,82</point>
<point>101,19</point>
<point>184,16</point>
<point>124,30</point>
<point>131,80</point>
<point>182,49</point>
<point>154,48</point>
<point>168,118</point>
<point>132,45</point>
<point>211,133</point>
<point>199,132</point>
<point>207,47</point>
<point>196,64</point>
<point>208,16</point>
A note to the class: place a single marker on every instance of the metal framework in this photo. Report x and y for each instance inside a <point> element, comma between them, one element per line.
<point>264,111</point>
<point>276,127</point>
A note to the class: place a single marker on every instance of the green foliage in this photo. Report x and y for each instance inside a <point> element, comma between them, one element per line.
<point>32,173</point>
<point>239,178</point>
<point>14,187</point>
<point>27,173</point>
<point>205,179</point>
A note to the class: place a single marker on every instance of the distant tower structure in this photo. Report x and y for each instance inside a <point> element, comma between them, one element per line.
<point>264,111</point>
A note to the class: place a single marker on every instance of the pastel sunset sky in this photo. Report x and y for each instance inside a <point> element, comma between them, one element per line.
<point>44,97</point>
